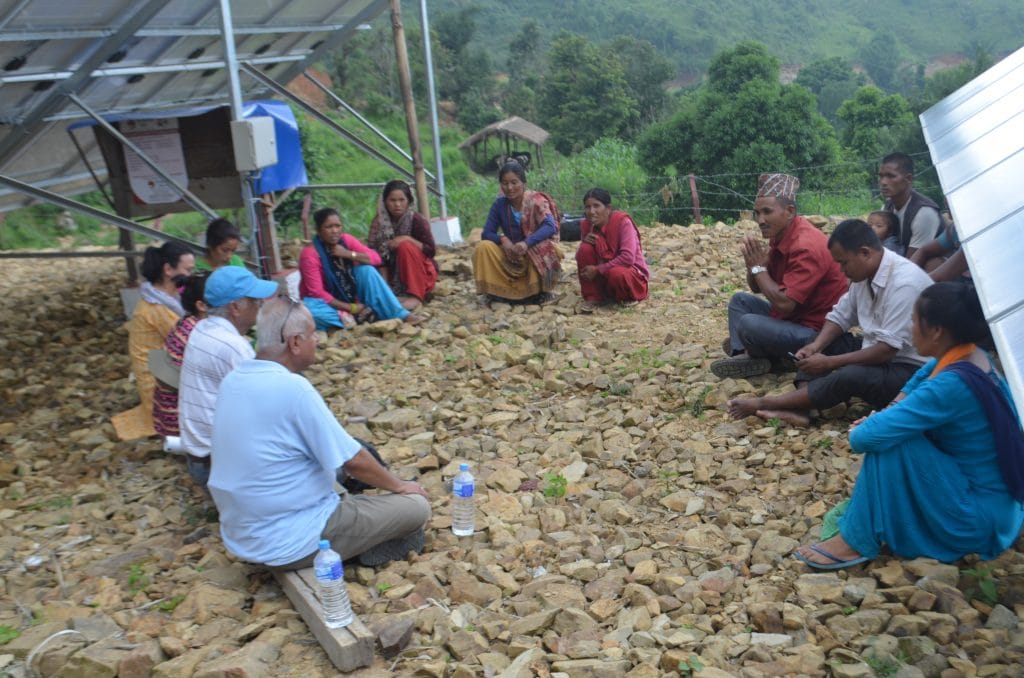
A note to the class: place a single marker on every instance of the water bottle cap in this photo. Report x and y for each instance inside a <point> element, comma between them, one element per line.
<point>324,544</point>
<point>463,467</point>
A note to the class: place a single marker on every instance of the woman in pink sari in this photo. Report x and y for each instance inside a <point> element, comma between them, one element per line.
<point>610,258</point>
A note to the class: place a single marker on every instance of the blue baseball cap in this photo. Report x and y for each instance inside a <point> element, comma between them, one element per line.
<point>231,283</point>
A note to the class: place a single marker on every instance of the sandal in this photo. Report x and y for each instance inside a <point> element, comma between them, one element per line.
<point>838,563</point>
<point>366,315</point>
<point>547,298</point>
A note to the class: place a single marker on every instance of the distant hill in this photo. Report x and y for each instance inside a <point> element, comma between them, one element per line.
<point>689,32</point>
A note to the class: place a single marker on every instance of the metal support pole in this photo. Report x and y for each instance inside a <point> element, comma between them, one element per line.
<point>90,211</point>
<point>355,114</point>
<point>405,83</point>
<point>326,120</point>
<point>428,60</point>
<point>85,161</point>
<point>327,187</point>
<point>186,194</point>
<point>268,256</point>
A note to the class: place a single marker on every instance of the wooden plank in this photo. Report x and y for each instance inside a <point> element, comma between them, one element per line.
<point>348,648</point>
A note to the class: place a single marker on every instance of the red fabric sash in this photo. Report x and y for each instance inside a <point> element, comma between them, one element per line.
<point>545,255</point>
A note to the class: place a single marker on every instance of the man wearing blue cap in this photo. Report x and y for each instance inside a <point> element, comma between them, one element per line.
<point>215,347</point>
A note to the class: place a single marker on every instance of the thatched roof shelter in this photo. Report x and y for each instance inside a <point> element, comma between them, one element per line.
<point>512,138</point>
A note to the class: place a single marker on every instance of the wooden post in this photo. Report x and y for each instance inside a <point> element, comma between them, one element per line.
<point>307,203</point>
<point>127,243</point>
<point>348,648</point>
<point>270,262</point>
<point>405,83</point>
<point>696,200</point>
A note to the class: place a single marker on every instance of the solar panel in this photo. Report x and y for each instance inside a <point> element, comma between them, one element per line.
<point>123,56</point>
<point>976,138</point>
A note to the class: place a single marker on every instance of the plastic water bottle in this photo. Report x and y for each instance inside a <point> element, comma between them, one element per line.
<point>333,595</point>
<point>463,503</point>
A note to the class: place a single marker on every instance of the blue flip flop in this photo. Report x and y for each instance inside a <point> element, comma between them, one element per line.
<point>839,563</point>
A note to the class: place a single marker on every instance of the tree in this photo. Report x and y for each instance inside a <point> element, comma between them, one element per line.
<point>881,58</point>
<point>732,69</point>
<point>584,96</point>
<point>742,121</point>
<point>646,72</point>
<point>525,66</point>
<point>455,30</point>
<point>364,72</point>
<point>465,74</point>
<point>525,53</point>
<point>875,122</point>
<point>832,81</point>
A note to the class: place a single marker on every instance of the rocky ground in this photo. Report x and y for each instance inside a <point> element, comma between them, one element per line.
<point>668,553</point>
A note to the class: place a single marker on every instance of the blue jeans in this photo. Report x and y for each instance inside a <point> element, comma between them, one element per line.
<point>751,329</point>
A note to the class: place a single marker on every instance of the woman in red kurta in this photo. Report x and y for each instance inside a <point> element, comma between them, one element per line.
<point>610,259</point>
<point>403,239</point>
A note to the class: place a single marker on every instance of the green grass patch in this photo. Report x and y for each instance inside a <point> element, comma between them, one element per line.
<point>8,633</point>
<point>137,578</point>
<point>554,485</point>
<point>689,666</point>
<point>171,604</point>
<point>697,408</point>
<point>984,588</point>
<point>52,504</point>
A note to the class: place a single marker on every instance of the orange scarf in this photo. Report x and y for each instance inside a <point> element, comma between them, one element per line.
<point>958,352</point>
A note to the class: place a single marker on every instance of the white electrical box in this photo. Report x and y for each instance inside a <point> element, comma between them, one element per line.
<point>446,232</point>
<point>254,142</point>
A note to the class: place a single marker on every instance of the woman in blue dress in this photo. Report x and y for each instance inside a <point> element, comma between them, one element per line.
<point>943,470</point>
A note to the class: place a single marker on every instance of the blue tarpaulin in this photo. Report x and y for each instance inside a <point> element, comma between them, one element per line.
<point>290,170</point>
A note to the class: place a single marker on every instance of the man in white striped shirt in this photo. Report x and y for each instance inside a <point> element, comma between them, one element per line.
<point>215,347</point>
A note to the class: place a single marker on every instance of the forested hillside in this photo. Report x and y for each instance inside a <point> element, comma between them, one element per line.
<point>690,32</point>
<point>638,96</point>
<point>819,89</point>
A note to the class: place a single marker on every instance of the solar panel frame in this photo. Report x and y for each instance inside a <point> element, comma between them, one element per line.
<point>173,59</point>
<point>976,139</point>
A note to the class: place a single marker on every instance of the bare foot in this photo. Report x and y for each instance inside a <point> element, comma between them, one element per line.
<point>410,303</point>
<point>837,546</point>
<point>740,408</point>
<point>791,417</point>
<point>413,319</point>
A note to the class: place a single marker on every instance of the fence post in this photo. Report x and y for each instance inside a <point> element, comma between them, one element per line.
<point>696,200</point>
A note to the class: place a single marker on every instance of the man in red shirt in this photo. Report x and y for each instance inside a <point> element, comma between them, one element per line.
<point>797,276</point>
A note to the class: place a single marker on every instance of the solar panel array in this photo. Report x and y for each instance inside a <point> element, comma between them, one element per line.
<point>976,138</point>
<point>122,56</point>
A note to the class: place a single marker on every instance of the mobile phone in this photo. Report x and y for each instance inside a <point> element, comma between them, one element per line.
<point>792,355</point>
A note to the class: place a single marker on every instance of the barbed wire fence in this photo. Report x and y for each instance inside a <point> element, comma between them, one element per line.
<point>674,199</point>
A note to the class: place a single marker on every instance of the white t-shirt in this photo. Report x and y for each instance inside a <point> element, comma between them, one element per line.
<point>214,349</point>
<point>277,448</point>
<point>925,227</point>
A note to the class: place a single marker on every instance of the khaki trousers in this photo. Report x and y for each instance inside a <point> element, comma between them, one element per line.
<point>360,522</point>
